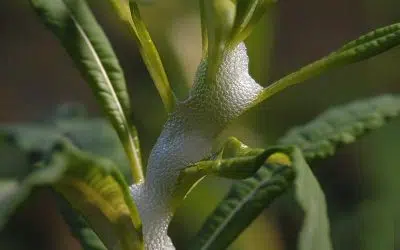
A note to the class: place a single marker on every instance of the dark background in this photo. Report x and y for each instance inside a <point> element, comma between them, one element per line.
<point>37,75</point>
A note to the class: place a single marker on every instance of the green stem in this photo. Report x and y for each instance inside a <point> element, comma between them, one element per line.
<point>363,48</point>
<point>299,76</point>
<point>135,162</point>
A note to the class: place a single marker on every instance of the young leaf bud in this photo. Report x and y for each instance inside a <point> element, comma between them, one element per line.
<point>220,18</point>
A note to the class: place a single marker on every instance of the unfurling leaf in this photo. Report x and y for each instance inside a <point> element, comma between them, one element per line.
<point>248,198</point>
<point>235,160</point>
<point>245,201</point>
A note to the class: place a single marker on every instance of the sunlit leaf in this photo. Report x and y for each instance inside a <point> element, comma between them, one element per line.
<point>78,31</point>
<point>121,7</point>
<point>128,12</point>
<point>152,59</point>
<point>24,144</point>
<point>94,187</point>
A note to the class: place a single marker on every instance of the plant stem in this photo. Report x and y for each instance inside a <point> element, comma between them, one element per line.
<point>299,76</point>
<point>135,162</point>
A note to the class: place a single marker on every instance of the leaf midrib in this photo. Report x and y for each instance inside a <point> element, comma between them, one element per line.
<point>237,208</point>
<point>111,211</point>
<point>109,85</point>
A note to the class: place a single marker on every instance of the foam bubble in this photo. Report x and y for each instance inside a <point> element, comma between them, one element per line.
<point>187,137</point>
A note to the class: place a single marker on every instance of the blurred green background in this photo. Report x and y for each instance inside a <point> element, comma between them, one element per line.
<point>37,75</point>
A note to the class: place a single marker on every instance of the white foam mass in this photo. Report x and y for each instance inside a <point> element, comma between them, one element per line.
<point>187,137</point>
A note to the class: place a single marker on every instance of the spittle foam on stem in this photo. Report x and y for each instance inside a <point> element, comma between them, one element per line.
<point>187,137</point>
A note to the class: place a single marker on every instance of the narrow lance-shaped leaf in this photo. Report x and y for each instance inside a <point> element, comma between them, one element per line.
<point>365,47</point>
<point>342,125</point>
<point>152,59</point>
<point>93,135</point>
<point>219,18</point>
<point>75,26</point>
<point>204,35</point>
<point>245,200</point>
<point>24,144</point>
<point>315,231</point>
<point>128,12</point>
<point>18,179</point>
<point>95,187</point>
<point>319,138</point>
<point>79,228</point>
<point>248,13</point>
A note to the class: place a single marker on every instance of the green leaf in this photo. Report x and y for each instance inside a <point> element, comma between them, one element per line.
<point>365,47</point>
<point>95,187</point>
<point>93,135</point>
<point>219,18</point>
<point>226,23</point>
<point>121,7</point>
<point>248,198</point>
<point>248,13</point>
<point>128,12</point>
<point>319,138</point>
<point>342,125</point>
<point>96,136</point>
<point>152,59</point>
<point>18,178</point>
<point>79,227</point>
<point>78,31</point>
<point>24,144</point>
<point>203,24</point>
<point>244,202</point>
<point>315,232</point>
